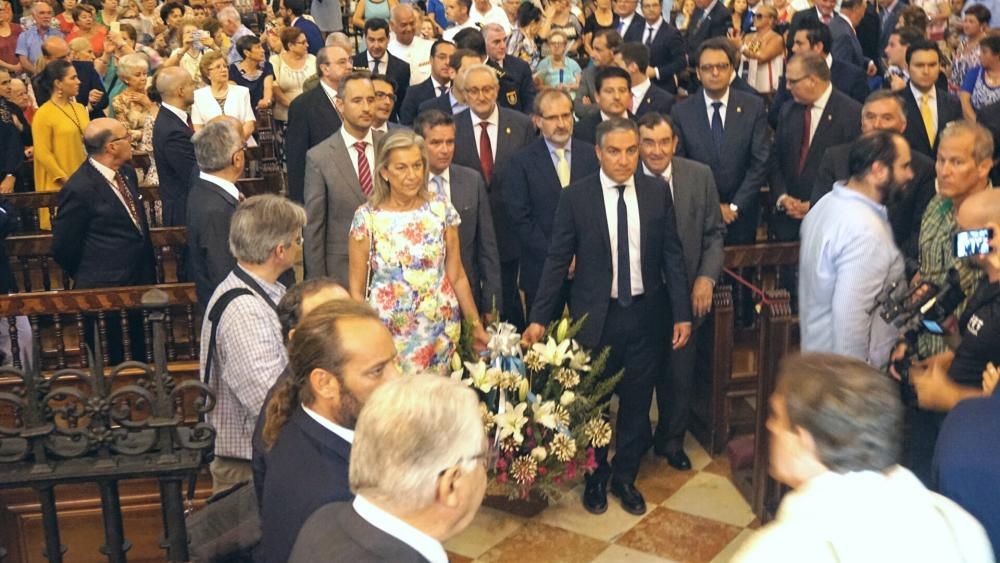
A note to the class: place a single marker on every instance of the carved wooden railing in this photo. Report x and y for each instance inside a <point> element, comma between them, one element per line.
<point>738,347</point>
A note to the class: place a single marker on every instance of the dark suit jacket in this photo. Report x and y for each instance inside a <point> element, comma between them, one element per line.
<point>93,238</point>
<point>517,87</point>
<point>531,189</point>
<point>656,100</point>
<point>397,69</point>
<point>635,27</point>
<point>209,261</point>
<point>175,164</point>
<point>336,534</point>
<point>716,24</point>
<point>586,128</point>
<point>313,34</point>
<point>845,45</point>
<point>741,172</point>
<point>442,103</point>
<point>839,123</point>
<point>415,96</point>
<point>905,212</point>
<point>948,109</point>
<point>477,237</point>
<point>887,24</point>
<point>580,229</point>
<point>666,53</point>
<point>515,131</point>
<point>90,80</point>
<point>311,119</point>
<point>306,469</point>
<point>845,77</point>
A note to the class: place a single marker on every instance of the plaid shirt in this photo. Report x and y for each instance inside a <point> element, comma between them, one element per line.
<point>937,255</point>
<point>249,357</point>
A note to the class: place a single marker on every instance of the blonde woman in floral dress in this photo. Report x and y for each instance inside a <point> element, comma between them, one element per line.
<point>405,259</point>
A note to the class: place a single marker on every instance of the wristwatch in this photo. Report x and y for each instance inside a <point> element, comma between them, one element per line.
<point>734,208</point>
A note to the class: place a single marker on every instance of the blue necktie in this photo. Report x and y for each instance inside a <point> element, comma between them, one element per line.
<point>624,264</point>
<point>717,127</point>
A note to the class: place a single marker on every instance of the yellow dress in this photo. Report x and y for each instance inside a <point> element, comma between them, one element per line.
<point>59,151</point>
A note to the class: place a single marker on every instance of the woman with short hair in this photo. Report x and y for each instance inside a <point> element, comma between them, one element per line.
<point>222,98</point>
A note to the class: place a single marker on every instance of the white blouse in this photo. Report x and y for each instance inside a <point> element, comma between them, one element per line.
<point>237,104</point>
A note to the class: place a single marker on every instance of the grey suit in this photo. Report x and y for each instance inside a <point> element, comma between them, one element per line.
<point>332,195</point>
<point>335,533</point>
<point>479,243</point>
<point>699,224</point>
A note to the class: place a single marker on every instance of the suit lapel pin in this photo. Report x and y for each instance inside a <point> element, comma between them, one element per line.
<point>507,130</point>
<point>739,109</point>
<point>829,118</point>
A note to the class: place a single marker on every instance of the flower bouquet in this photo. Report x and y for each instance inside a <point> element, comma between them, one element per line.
<point>543,411</point>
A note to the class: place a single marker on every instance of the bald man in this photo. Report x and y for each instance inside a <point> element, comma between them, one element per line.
<point>100,236</point>
<point>92,94</point>
<point>172,148</point>
<point>407,45</point>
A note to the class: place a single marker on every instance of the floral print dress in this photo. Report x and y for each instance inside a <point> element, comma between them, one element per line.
<point>408,283</point>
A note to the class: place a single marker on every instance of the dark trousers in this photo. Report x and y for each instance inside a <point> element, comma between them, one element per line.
<point>562,300</point>
<point>513,309</point>
<point>919,442</point>
<point>744,229</point>
<point>674,388</point>
<point>635,335</point>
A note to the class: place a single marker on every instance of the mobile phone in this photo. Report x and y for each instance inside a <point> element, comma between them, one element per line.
<point>975,242</point>
<point>932,326</point>
<point>116,27</point>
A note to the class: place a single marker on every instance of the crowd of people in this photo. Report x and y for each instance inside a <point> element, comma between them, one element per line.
<point>450,164</point>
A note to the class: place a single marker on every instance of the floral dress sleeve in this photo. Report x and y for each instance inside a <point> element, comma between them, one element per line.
<point>360,225</point>
<point>451,216</point>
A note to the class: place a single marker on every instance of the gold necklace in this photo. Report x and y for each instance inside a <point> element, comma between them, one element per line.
<point>70,114</point>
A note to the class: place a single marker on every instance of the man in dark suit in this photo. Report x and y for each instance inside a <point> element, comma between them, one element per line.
<point>691,187</point>
<point>313,117</point>
<point>172,149</point>
<point>883,111</point>
<point>211,203</point>
<point>646,96</point>
<point>438,84</point>
<point>668,58</point>
<point>486,137</point>
<point>605,43</point>
<point>340,173</point>
<point>379,60</point>
<point>536,177</point>
<point>888,15</point>
<point>510,70</point>
<point>711,19</point>
<point>440,415</point>
<point>845,77</point>
<point>614,98</point>
<point>926,103</point>
<point>92,94</point>
<point>310,438</point>
<point>385,100</point>
<point>100,236</point>
<point>817,118</point>
<point>844,44</point>
<point>623,220</point>
<point>453,101</point>
<point>630,21</point>
<point>734,144</point>
<point>466,190</point>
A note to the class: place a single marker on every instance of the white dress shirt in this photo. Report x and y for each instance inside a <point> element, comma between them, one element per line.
<point>625,23</point>
<point>226,186</point>
<point>383,63</point>
<point>722,110</point>
<point>183,115</point>
<point>492,129</point>
<point>646,35</point>
<point>450,33</point>
<point>638,93</point>
<point>330,93</point>
<point>345,434</point>
<point>417,54</point>
<point>494,15</point>
<point>931,102</point>
<point>109,175</point>
<point>445,182</point>
<point>349,140</point>
<point>438,86</point>
<point>634,233</point>
<point>428,547</point>
<point>817,111</point>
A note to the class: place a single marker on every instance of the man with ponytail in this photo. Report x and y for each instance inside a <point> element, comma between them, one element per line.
<point>338,355</point>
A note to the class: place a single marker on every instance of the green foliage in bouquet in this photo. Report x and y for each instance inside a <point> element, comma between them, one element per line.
<point>545,412</point>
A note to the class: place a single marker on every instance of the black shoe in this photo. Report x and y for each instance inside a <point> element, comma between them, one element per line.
<point>631,498</point>
<point>676,458</point>
<point>595,497</point>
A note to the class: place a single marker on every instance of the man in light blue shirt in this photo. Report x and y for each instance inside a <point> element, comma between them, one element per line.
<point>848,256</point>
<point>29,43</point>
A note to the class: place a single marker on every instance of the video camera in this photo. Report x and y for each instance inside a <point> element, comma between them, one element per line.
<point>923,308</point>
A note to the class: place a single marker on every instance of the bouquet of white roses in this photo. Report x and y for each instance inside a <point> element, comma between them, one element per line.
<point>542,410</point>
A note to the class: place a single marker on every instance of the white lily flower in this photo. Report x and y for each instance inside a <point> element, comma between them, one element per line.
<point>481,377</point>
<point>544,414</point>
<point>552,353</point>
<point>580,361</point>
<point>511,421</point>
<point>567,398</point>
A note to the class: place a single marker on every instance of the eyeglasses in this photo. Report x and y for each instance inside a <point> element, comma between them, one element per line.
<point>485,90</point>
<point>558,118</point>
<point>122,138</point>
<point>793,81</point>
<point>384,95</point>
<point>710,69</point>
<point>488,458</point>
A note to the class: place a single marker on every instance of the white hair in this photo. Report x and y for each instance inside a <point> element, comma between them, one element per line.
<point>228,14</point>
<point>410,430</point>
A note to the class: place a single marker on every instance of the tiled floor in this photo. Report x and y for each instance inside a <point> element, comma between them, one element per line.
<point>693,517</point>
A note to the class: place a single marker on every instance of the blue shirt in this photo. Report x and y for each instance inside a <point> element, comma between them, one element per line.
<point>966,465</point>
<point>994,7</point>
<point>436,7</point>
<point>29,43</point>
<point>847,258</point>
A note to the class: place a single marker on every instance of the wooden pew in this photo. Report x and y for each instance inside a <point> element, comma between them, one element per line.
<point>34,268</point>
<point>28,205</point>
<point>720,409</point>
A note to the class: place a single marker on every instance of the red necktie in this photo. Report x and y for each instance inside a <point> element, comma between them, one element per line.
<point>485,152</point>
<point>806,128</point>
<point>123,190</point>
<point>364,170</point>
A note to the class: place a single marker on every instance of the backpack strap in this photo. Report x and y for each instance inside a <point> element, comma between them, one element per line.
<point>213,316</point>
